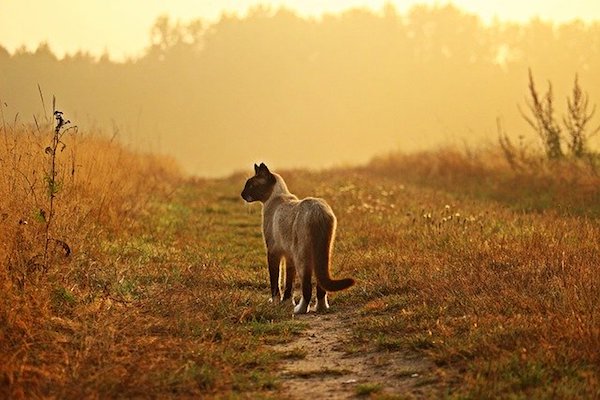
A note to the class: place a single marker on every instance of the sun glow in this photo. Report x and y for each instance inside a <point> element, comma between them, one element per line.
<point>121,28</point>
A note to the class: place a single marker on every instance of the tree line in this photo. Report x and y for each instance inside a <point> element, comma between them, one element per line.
<point>297,91</point>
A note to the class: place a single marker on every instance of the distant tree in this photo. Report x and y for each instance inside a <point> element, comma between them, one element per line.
<point>44,53</point>
<point>4,54</point>
<point>80,57</point>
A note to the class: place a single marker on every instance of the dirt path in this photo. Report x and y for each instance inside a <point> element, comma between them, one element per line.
<point>322,363</point>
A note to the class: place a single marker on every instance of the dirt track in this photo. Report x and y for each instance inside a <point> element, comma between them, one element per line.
<point>323,364</point>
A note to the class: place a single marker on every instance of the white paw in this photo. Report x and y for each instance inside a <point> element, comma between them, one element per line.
<point>322,305</point>
<point>302,307</point>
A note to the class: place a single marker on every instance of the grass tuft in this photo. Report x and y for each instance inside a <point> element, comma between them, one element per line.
<point>366,389</point>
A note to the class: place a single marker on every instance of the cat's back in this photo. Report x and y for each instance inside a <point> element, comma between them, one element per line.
<point>314,210</point>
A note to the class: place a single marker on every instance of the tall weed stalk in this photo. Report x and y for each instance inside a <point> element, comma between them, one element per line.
<point>542,119</point>
<point>52,183</point>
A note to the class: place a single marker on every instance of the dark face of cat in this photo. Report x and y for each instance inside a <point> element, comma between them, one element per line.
<point>260,186</point>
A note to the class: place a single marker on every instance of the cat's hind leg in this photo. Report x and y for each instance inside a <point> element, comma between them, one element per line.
<point>305,279</point>
<point>322,303</point>
<point>290,274</point>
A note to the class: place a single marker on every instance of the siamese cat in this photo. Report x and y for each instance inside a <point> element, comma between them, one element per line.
<point>299,231</point>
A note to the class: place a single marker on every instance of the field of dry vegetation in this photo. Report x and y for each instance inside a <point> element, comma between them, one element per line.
<point>136,282</point>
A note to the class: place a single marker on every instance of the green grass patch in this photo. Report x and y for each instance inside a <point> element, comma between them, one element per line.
<point>366,389</point>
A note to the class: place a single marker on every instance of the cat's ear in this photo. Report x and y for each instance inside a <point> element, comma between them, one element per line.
<point>256,168</point>
<point>263,168</point>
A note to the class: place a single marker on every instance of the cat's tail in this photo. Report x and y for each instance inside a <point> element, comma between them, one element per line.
<point>322,236</point>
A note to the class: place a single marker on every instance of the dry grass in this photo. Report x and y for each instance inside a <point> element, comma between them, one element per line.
<point>504,299</point>
<point>45,310</point>
<point>569,187</point>
<point>151,299</point>
<point>457,259</point>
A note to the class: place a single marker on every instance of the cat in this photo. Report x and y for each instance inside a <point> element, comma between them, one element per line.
<point>299,231</point>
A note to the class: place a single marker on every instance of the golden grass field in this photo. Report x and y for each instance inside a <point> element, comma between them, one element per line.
<point>491,275</point>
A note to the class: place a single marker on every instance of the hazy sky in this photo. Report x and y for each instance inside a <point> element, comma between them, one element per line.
<point>122,26</point>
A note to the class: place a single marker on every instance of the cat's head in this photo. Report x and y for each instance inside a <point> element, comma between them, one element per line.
<point>260,186</point>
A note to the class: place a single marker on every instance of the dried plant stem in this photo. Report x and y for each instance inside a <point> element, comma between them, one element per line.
<point>51,181</point>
